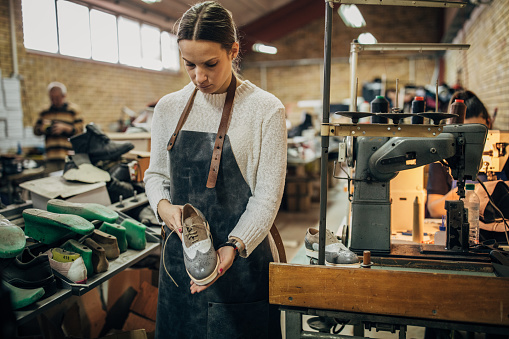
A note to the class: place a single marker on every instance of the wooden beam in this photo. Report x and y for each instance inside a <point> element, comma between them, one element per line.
<point>437,296</point>
<point>282,21</point>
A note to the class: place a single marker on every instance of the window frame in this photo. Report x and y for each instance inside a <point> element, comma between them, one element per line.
<point>117,16</point>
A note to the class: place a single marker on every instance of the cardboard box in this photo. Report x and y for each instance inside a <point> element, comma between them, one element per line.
<point>143,159</point>
<point>42,190</point>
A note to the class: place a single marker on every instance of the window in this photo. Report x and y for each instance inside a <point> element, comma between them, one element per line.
<point>103,34</point>
<point>40,25</point>
<point>67,28</point>
<point>129,45</point>
<point>73,29</point>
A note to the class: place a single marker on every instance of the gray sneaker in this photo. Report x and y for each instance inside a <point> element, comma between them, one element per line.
<point>200,257</point>
<point>336,254</point>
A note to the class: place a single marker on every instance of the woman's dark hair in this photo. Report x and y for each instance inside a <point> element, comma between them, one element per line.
<point>208,21</point>
<point>475,107</point>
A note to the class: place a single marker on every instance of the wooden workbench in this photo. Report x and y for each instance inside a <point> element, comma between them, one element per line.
<point>453,297</point>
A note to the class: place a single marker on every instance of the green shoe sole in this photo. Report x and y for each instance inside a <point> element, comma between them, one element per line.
<point>21,297</point>
<point>85,252</point>
<point>12,239</point>
<point>89,211</point>
<point>135,234</point>
<point>117,231</point>
<point>48,227</point>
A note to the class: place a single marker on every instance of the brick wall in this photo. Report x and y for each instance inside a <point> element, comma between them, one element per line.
<point>484,67</point>
<point>100,89</point>
<point>294,82</point>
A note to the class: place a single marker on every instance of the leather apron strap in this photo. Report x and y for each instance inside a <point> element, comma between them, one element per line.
<point>221,132</point>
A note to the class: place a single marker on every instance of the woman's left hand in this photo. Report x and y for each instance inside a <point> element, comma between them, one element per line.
<point>226,257</point>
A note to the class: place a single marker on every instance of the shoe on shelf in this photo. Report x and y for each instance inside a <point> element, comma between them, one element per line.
<point>48,227</point>
<point>29,272</point>
<point>12,239</point>
<point>89,211</point>
<point>200,257</point>
<point>99,261</point>
<point>98,145</point>
<point>135,234</point>
<point>118,232</point>
<point>72,245</point>
<point>21,297</point>
<point>108,242</point>
<point>336,254</point>
<point>68,264</point>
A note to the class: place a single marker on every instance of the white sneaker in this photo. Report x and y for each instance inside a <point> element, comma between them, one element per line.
<point>76,271</point>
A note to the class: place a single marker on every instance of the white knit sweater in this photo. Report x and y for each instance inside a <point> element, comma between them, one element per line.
<point>257,134</point>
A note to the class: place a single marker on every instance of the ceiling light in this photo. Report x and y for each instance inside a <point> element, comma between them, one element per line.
<point>367,39</point>
<point>150,1</point>
<point>351,16</point>
<point>261,48</point>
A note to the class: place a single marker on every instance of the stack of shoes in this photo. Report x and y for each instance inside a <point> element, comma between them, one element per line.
<point>24,287</point>
<point>68,264</point>
<point>12,239</point>
<point>89,211</point>
<point>336,254</point>
<point>27,271</point>
<point>72,245</point>
<point>48,227</point>
<point>97,145</point>
<point>200,257</point>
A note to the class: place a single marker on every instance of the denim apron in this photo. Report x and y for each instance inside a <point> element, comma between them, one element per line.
<point>236,305</point>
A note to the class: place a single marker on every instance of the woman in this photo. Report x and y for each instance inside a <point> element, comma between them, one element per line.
<point>439,180</point>
<point>240,206</point>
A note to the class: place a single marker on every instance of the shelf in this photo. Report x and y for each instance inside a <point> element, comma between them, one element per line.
<point>125,260</point>
<point>29,312</point>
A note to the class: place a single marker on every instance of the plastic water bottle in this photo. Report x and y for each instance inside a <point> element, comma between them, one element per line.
<point>472,203</point>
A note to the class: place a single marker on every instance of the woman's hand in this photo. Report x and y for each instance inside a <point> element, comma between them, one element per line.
<point>171,215</point>
<point>226,258</point>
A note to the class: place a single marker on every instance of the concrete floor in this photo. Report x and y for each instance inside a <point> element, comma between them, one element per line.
<point>293,225</point>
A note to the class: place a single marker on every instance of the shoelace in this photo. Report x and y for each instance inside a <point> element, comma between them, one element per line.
<point>192,234</point>
<point>164,261</point>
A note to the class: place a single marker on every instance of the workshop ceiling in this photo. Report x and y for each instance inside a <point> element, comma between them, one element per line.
<point>244,11</point>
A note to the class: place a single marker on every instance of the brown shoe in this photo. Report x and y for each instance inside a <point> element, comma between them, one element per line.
<point>98,256</point>
<point>108,242</point>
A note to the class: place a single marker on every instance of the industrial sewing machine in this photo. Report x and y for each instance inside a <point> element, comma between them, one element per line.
<point>377,160</point>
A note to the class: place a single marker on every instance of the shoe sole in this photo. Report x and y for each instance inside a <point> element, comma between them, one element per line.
<point>311,253</point>
<point>208,279</point>
<point>89,211</point>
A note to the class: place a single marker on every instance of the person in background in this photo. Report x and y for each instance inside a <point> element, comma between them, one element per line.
<point>242,205</point>
<point>59,122</point>
<point>440,182</point>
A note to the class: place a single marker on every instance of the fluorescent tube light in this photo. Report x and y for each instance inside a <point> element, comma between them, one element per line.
<point>367,39</point>
<point>261,48</point>
<point>351,16</point>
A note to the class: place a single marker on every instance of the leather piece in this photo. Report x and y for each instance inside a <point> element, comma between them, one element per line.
<point>221,132</point>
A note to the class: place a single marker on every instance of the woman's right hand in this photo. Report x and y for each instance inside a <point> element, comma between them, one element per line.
<point>171,215</point>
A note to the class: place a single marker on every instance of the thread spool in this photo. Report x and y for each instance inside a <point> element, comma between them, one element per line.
<point>417,231</point>
<point>366,259</point>
<point>458,107</point>
<point>418,106</point>
<point>379,105</point>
